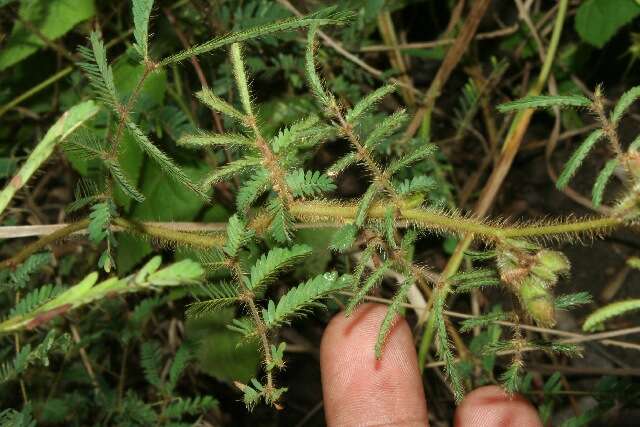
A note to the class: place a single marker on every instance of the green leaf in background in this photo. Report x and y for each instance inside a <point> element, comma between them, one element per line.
<point>53,18</point>
<point>220,352</point>
<point>319,240</point>
<point>130,158</point>
<point>126,75</point>
<point>599,20</point>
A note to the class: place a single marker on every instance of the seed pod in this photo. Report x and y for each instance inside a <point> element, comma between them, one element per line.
<point>555,261</point>
<point>545,274</point>
<point>537,301</point>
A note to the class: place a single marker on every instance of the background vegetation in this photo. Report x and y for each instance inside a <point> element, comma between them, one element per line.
<point>147,131</point>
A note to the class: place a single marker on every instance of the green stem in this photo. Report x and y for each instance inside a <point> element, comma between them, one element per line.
<point>514,131</point>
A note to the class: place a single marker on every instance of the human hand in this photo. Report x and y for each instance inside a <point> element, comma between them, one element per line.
<point>362,391</point>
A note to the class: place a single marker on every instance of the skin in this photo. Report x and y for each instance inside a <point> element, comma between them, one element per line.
<point>362,391</point>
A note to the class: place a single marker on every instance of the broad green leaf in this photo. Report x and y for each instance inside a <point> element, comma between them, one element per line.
<point>53,18</point>
<point>597,21</point>
<point>222,353</point>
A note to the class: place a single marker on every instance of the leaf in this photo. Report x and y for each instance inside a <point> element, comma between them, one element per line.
<point>230,170</point>
<point>252,188</point>
<point>625,101</point>
<point>123,182</point>
<point>22,275</point>
<point>97,69</point>
<point>86,145</point>
<point>221,295</point>
<point>308,184</point>
<point>344,238</point>
<point>164,161</point>
<point>240,76</point>
<point>220,352</point>
<point>343,163</point>
<point>416,185</point>
<point>388,126</point>
<point>141,10</point>
<point>238,235</point>
<point>511,378</point>
<point>204,139</point>
<point>443,347</point>
<point>52,18</point>
<point>183,272</point>
<point>150,360</point>
<point>419,154</point>
<point>178,365</point>
<point>99,221</point>
<point>391,315</point>
<point>281,222</point>
<point>372,281</point>
<point>213,101</point>
<point>607,312</point>
<point>365,204</point>
<point>368,102</point>
<point>597,21</point>
<point>35,299</point>
<point>313,78</point>
<point>569,301</point>
<point>267,267</point>
<point>577,158</point>
<point>190,406</point>
<point>301,134</point>
<point>545,101</point>
<point>602,181</point>
<point>300,300</point>
<point>482,321</point>
<point>322,17</point>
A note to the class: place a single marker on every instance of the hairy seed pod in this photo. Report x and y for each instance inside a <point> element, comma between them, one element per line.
<point>545,274</point>
<point>555,261</point>
<point>537,301</point>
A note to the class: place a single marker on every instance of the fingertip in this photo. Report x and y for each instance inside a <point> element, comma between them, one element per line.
<point>361,390</point>
<point>491,406</point>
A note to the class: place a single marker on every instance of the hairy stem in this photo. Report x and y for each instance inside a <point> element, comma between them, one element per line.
<point>166,234</point>
<point>437,220</point>
<point>318,212</point>
<point>125,110</point>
